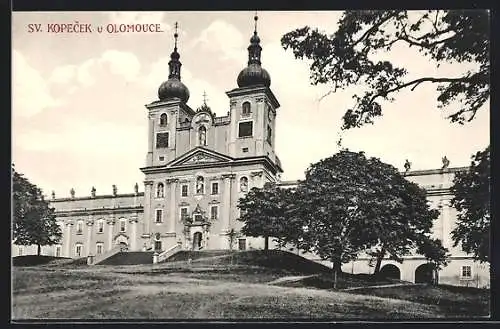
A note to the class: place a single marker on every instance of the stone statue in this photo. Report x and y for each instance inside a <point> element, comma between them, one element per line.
<point>136,188</point>
<point>407,165</point>
<point>203,136</point>
<point>72,192</point>
<point>53,195</point>
<point>446,162</point>
<point>115,190</point>
<point>92,192</point>
<point>199,185</point>
<point>244,184</point>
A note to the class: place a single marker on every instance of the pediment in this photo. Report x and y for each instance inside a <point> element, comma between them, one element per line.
<point>199,156</point>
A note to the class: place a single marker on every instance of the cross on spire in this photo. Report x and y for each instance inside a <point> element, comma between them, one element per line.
<point>255,19</point>
<point>176,35</point>
<point>204,98</point>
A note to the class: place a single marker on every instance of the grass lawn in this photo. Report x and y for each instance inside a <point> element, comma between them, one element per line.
<point>199,291</point>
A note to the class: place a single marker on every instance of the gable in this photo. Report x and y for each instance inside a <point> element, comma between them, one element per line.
<point>199,156</point>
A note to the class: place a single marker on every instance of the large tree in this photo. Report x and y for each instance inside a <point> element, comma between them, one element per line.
<point>263,210</point>
<point>404,221</point>
<point>350,204</point>
<point>471,190</point>
<point>34,222</point>
<point>345,58</point>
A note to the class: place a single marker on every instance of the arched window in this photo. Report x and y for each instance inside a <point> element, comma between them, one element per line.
<point>243,184</point>
<point>202,136</point>
<point>246,108</point>
<point>200,185</point>
<point>163,119</point>
<point>159,190</point>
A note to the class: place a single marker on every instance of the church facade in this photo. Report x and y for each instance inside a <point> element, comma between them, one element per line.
<point>197,167</point>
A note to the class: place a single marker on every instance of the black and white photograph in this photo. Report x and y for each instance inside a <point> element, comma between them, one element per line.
<point>329,165</point>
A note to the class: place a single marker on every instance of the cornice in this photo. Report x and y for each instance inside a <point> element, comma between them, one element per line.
<point>99,211</point>
<point>97,197</point>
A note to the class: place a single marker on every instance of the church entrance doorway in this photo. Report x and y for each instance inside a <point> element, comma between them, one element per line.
<point>197,239</point>
<point>123,246</point>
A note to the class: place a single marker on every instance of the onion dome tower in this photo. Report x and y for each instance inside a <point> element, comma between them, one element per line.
<point>254,74</point>
<point>173,87</point>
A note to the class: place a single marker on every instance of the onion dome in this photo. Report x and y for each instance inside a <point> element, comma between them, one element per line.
<point>254,74</point>
<point>173,87</point>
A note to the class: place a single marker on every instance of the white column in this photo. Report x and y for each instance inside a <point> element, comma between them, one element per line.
<point>148,190</point>
<point>90,223</point>
<point>149,157</point>
<point>226,209</point>
<point>133,228</point>
<point>68,239</point>
<point>172,219</point>
<point>111,223</point>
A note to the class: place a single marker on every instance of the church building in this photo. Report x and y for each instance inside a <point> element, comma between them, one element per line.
<point>197,167</point>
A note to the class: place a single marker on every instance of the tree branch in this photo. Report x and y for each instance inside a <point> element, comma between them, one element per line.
<point>416,82</point>
<point>372,29</point>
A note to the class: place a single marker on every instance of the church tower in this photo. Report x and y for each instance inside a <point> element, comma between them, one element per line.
<point>253,109</point>
<point>163,114</point>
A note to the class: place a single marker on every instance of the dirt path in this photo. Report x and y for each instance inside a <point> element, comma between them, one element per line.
<point>291,279</point>
<point>380,286</point>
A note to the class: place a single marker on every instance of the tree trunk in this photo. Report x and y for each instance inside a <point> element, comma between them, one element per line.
<point>380,256</point>
<point>39,250</point>
<point>337,269</point>
<point>266,243</point>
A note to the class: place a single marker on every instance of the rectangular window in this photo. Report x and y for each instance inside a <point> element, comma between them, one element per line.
<point>99,248</point>
<point>242,244</point>
<point>78,250</point>
<point>20,251</point>
<point>245,129</point>
<point>161,140</point>
<point>184,213</point>
<point>159,215</point>
<point>215,188</point>
<point>245,149</point>
<point>214,210</point>
<point>58,251</point>
<point>466,272</point>
<point>184,190</point>
<point>162,158</point>
<point>198,218</point>
<point>269,134</point>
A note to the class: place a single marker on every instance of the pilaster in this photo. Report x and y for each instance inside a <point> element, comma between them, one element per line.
<point>171,218</point>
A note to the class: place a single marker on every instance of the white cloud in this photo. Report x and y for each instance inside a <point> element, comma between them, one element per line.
<point>123,63</point>
<point>224,37</point>
<point>84,75</point>
<point>30,92</point>
<point>63,74</point>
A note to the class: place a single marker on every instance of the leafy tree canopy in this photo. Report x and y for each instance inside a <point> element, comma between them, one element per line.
<point>471,190</point>
<point>344,58</point>
<point>264,212</point>
<point>34,222</point>
<point>350,203</point>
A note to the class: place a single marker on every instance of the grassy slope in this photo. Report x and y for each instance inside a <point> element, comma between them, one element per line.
<point>213,288</point>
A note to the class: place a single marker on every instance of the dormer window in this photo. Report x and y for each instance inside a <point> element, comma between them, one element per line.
<point>246,108</point>
<point>163,119</point>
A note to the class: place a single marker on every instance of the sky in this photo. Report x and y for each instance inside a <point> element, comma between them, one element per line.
<point>78,114</point>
